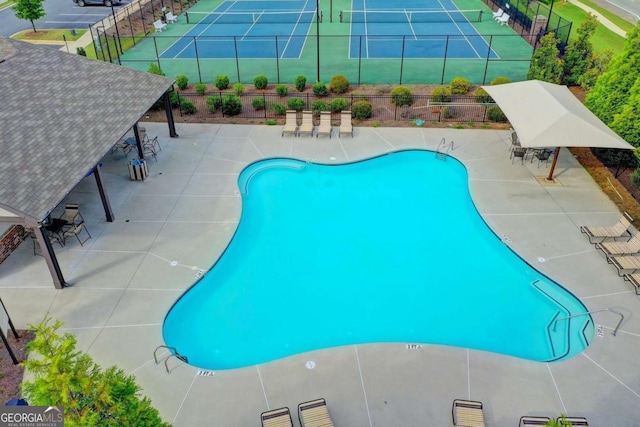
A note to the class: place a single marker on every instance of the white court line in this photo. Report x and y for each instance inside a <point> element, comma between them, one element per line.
<point>460,30</point>
<point>410,24</point>
<point>304,9</point>
<point>255,21</point>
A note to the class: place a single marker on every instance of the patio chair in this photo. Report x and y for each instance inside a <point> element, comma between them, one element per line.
<point>630,247</point>
<point>345,124</point>
<point>625,264</point>
<point>533,421</point>
<point>543,155</point>
<point>497,13</point>
<point>277,418</point>
<point>159,26</point>
<point>72,215</point>
<point>503,19</point>
<point>620,229</point>
<point>325,124</point>
<point>467,413</point>
<point>290,123</point>
<point>124,144</point>
<point>314,414</point>
<point>573,421</point>
<point>171,18</point>
<point>518,152</point>
<point>307,124</point>
<point>515,141</point>
<point>634,279</point>
<point>76,231</point>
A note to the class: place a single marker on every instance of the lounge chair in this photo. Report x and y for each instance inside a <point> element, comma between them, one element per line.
<point>325,124</point>
<point>533,421</point>
<point>573,421</point>
<point>634,279</point>
<point>503,19</point>
<point>467,413</point>
<point>277,418</point>
<point>76,231</point>
<point>625,264</point>
<point>314,414</point>
<point>159,26</point>
<point>345,124</point>
<point>497,13</point>
<point>620,229</point>
<point>620,248</point>
<point>290,123</point>
<point>307,124</point>
<point>171,18</point>
<point>72,215</point>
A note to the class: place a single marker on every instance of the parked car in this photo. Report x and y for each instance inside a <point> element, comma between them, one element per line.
<point>107,3</point>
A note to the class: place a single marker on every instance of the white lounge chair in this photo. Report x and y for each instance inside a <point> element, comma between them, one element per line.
<point>325,124</point>
<point>314,414</point>
<point>345,124</point>
<point>290,124</point>
<point>277,418</point>
<point>503,19</point>
<point>171,18</point>
<point>620,248</point>
<point>159,26</point>
<point>498,13</point>
<point>620,229</point>
<point>307,124</point>
<point>527,421</point>
<point>467,413</point>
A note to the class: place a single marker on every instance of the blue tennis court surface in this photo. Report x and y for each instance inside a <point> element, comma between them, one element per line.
<point>247,29</point>
<point>417,29</point>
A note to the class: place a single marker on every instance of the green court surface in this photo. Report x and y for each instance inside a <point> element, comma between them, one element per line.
<point>513,55</point>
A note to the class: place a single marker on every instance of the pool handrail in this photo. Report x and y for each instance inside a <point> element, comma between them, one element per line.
<point>615,330</point>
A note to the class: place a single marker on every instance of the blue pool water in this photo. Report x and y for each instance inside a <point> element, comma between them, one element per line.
<point>390,249</point>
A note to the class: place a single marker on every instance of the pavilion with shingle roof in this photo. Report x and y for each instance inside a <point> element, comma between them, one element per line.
<point>60,114</point>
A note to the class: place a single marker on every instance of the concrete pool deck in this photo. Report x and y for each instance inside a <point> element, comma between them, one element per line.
<point>177,223</point>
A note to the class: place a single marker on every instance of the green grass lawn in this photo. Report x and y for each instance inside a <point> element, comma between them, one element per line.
<point>603,37</point>
<point>49,35</point>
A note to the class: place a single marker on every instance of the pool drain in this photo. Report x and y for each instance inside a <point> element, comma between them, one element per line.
<point>310,364</point>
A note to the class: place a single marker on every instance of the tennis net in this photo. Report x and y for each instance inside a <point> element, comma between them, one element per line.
<point>264,17</point>
<point>410,16</point>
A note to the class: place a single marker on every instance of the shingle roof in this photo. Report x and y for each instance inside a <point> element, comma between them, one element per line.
<point>60,114</point>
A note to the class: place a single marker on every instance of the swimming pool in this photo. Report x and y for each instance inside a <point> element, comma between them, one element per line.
<point>389,249</point>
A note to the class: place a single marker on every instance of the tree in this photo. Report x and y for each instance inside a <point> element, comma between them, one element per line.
<point>599,65</point>
<point>91,397</point>
<point>545,64</point>
<point>578,57</point>
<point>30,10</point>
<point>626,122</point>
<point>611,91</point>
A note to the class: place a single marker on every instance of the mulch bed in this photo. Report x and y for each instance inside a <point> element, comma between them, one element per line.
<point>12,374</point>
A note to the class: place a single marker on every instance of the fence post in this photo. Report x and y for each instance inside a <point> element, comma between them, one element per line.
<point>277,61</point>
<point>235,47</point>
<point>264,98</point>
<point>221,106</point>
<point>133,36</point>
<point>402,58</point>
<point>444,60</point>
<point>155,45</point>
<point>359,58</point>
<point>486,64</point>
<point>195,46</point>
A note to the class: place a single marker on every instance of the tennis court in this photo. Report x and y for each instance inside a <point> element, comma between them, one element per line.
<point>247,29</point>
<point>417,30</point>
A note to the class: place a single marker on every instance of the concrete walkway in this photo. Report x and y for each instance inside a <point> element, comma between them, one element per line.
<point>179,221</point>
<point>601,18</point>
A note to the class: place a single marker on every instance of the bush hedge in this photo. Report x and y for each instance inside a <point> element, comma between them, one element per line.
<point>401,96</point>
<point>460,86</point>
<point>231,105</point>
<point>200,88</point>
<point>338,104</point>
<point>188,107</point>
<point>297,104</point>
<point>213,103</point>
<point>339,84</point>
<point>495,114</point>
<point>320,89</point>
<point>261,82</point>
<point>238,88</point>
<point>300,83</point>
<point>278,109</point>
<point>318,106</point>
<point>500,80</point>
<point>361,110</point>
<point>282,90</point>
<point>258,103</point>
<point>441,94</point>
<point>222,82</point>
<point>182,81</point>
<point>482,96</point>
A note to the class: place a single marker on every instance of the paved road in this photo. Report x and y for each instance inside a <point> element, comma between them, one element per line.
<point>626,9</point>
<point>60,14</point>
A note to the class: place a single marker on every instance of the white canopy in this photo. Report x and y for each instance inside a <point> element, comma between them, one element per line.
<point>549,115</point>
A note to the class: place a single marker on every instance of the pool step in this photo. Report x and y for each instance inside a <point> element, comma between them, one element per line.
<point>173,352</point>
<point>442,152</point>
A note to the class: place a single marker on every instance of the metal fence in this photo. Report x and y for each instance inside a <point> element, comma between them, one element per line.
<point>458,108</point>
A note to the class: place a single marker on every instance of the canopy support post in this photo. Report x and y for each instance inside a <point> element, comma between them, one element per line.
<point>553,164</point>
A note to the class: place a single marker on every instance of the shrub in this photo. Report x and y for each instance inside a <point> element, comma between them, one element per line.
<point>213,103</point>
<point>401,96</point>
<point>238,88</point>
<point>188,107</point>
<point>339,84</point>
<point>441,94</point>
<point>222,82</point>
<point>296,104</point>
<point>231,105</point>
<point>175,98</point>
<point>383,89</point>
<point>278,109</point>
<point>356,96</point>
<point>635,178</point>
<point>460,86</point>
<point>482,96</point>
<point>300,82</point>
<point>317,106</point>
<point>182,81</point>
<point>500,80</point>
<point>447,112</point>
<point>258,103</point>
<point>282,90</point>
<point>261,82</point>
<point>320,89</point>
<point>200,88</point>
<point>154,69</point>
<point>361,110</point>
<point>338,104</point>
<point>495,114</point>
